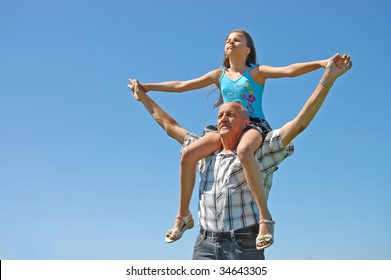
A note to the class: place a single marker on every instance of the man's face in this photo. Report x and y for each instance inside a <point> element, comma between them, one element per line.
<point>230,120</point>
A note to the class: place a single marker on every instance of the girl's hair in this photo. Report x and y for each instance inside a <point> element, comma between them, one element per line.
<point>251,57</point>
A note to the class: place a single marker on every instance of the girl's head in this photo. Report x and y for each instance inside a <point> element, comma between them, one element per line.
<point>252,55</point>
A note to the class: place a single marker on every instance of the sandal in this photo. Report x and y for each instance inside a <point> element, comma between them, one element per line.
<point>266,240</point>
<point>175,235</point>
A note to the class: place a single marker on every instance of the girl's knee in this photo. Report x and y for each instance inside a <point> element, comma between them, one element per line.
<point>250,142</point>
<point>244,152</point>
<point>188,156</point>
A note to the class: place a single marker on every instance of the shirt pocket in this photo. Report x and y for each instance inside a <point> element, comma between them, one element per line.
<point>235,175</point>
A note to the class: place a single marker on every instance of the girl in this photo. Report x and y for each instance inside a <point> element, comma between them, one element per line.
<point>239,79</point>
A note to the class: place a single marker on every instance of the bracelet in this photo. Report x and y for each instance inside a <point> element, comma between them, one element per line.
<point>265,221</point>
<point>326,85</point>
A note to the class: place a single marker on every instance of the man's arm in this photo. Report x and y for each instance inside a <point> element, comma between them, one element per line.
<point>172,128</point>
<point>293,128</point>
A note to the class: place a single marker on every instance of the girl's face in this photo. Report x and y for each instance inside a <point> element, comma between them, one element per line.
<point>236,43</point>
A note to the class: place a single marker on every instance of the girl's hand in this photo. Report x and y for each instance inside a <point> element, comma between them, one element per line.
<point>324,63</point>
<point>145,87</point>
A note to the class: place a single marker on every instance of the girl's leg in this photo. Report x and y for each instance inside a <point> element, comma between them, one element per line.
<point>249,143</point>
<point>203,147</point>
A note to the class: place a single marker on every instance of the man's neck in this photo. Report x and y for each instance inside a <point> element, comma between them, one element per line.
<point>229,144</point>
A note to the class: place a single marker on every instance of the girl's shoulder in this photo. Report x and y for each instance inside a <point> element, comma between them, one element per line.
<point>216,73</point>
<point>256,70</point>
<point>257,73</point>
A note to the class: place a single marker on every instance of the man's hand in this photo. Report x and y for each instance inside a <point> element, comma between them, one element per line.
<point>338,65</point>
<point>138,91</point>
<point>172,128</point>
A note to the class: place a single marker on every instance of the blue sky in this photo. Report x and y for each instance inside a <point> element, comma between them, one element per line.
<point>85,173</point>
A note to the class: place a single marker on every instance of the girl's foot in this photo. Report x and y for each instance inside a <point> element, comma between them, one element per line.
<point>265,236</point>
<point>182,223</point>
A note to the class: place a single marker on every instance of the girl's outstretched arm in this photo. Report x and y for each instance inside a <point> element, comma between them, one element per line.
<point>264,71</point>
<point>208,79</point>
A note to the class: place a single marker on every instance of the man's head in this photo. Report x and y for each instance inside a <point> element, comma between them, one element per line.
<point>232,118</point>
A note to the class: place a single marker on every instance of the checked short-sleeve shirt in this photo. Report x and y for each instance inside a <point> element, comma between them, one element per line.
<point>225,199</point>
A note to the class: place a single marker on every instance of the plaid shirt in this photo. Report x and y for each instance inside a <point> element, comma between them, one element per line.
<point>225,199</point>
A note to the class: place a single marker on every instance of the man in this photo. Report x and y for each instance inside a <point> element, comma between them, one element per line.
<point>228,214</point>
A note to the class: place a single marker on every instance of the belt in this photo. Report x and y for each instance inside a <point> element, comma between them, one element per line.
<point>230,234</point>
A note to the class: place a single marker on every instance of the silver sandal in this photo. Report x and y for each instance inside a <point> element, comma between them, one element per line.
<point>265,240</point>
<point>175,235</point>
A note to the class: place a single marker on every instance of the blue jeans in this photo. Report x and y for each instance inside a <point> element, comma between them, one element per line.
<point>233,247</point>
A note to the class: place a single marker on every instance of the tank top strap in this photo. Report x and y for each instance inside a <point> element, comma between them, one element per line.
<point>252,65</point>
<point>223,68</point>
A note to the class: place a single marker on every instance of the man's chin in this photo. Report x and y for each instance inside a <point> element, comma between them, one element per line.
<point>223,130</point>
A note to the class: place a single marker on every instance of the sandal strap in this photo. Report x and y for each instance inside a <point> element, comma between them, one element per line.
<point>180,217</point>
<point>186,218</point>
<point>262,238</point>
<point>265,221</point>
<point>174,233</point>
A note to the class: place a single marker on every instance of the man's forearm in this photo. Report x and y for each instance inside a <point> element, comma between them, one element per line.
<point>312,106</point>
<point>293,128</point>
<point>172,128</point>
<point>336,67</point>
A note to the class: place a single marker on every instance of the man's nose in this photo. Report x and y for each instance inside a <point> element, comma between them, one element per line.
<point>224,117</point>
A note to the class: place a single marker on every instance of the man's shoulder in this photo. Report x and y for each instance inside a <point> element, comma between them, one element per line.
<point>272,152</point>
<point>273,144</point>
<point>272,136</point>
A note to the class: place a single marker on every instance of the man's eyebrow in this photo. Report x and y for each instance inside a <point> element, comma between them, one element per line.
<point>231,111</point>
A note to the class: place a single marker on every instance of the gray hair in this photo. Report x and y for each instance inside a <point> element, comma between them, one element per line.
<point>242,109</point>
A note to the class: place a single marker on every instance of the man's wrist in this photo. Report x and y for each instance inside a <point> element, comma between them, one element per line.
<point>328,78</point>
<point>326,84</point>
<point>143,98</point>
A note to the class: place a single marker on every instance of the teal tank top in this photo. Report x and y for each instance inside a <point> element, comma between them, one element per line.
<point>245,91</point>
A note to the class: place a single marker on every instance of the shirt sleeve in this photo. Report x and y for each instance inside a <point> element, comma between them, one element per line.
<point>272,152</point>
<point>191,138</point>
